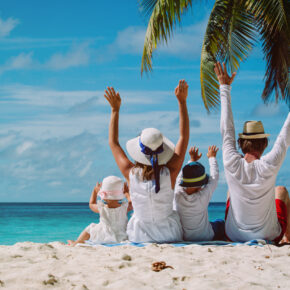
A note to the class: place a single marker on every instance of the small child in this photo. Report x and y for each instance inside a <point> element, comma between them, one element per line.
<point>112,207</point>
<point>193,191</point>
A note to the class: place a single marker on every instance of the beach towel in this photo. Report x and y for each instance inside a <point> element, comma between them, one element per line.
<point>256,242</point>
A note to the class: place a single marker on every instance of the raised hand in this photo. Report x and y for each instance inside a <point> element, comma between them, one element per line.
<point>181,91</point>
<point>212,151</point>
<point>222,74</point>
<point>97,188</point>
<point>113,98</point>
<point>194,155</point>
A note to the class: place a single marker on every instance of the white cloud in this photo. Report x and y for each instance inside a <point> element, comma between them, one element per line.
<point>6,26</point>
<point>185,42</point>
<point>77,56</point>
<point>21,61</point>
<point>24,147</point>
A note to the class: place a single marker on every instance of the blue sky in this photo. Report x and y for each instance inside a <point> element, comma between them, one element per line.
<point>56,59</point>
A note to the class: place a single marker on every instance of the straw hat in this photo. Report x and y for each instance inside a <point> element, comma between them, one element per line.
<point>153,139</point>
<point>193,175</point>
<point>112,188</point>
<point>253,130</point>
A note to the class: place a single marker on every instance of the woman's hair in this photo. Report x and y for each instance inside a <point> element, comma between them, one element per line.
<point>147,170</point>
<point>253,145</point>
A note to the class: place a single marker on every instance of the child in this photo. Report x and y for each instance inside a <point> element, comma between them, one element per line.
<point>193,191</point>
<point>152,178</point>
<point>112,207</point>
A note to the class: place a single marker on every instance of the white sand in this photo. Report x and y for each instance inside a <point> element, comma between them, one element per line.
<point>46,266</point>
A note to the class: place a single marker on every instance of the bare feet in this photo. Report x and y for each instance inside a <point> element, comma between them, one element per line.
<point>285,239</point>
<point>71,243</point>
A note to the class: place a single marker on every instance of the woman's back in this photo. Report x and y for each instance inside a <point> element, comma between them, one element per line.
<point>154,219</point>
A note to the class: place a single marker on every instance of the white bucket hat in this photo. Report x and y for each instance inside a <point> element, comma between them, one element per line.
<point>153,139</point>
<point>112,188</point>
<point>253,130</point>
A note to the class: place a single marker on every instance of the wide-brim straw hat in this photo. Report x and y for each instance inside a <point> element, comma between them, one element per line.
<point>153,139</point>
<point>112,188</point>
<point>253,130</point>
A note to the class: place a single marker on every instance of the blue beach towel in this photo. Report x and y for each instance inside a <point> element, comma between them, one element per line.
<point>183,244</point>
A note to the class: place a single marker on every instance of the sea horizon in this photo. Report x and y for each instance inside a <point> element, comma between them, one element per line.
<point>44,222</point>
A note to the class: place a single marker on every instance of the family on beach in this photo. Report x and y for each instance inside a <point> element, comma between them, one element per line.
<point>170,204</point>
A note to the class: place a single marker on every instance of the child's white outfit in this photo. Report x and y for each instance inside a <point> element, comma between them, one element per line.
<point>193,209</point>
<point>153,219</point>
<point>112,225</point>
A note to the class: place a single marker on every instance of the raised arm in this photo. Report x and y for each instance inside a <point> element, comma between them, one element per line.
<point>276,156</point>
<point>227,122</point>
<point>214,174</point>
<point>93,200</point>
<point>176,161</point>
<point>122,160</point>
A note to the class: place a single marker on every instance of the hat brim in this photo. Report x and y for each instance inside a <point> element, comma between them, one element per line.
<point>195,184</point>
<point>134,151</point>
<point>256,136</point>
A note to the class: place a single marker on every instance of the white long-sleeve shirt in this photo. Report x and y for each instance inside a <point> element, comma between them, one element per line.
<point>193,209</point>
<point>252,212</point>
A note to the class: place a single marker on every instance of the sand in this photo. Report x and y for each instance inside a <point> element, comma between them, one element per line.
<point>57,266</point>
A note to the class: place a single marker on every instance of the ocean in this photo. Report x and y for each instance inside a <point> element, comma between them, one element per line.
<point>47,222</point>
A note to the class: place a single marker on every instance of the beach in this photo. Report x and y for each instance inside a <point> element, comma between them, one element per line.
<point>54,265</point>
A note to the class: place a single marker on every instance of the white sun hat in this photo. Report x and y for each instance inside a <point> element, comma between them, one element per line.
<point>253,130</point>
<point>112,188</point>
<point>151,138</point>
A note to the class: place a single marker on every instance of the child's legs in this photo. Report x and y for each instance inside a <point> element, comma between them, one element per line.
<point>84,236</point>
<point>282,194</point>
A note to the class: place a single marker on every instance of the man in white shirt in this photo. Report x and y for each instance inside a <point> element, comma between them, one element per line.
<point>256,208</point>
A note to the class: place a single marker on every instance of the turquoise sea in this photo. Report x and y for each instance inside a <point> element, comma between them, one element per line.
<point>47,222</point>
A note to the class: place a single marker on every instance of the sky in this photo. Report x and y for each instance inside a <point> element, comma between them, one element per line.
<point>57,58</point>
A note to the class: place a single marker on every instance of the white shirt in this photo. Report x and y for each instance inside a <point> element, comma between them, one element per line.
<point>193,209</point>
<point>252,212</point>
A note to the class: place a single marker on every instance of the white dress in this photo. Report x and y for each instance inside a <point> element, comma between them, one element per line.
<point>153,219</point>
<point>112,225</point>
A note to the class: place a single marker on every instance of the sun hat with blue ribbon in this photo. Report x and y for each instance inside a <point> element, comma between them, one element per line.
<point>151,148</point>
<point>193,175</point>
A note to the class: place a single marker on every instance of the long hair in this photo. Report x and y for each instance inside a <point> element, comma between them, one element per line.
<point>147,170</point>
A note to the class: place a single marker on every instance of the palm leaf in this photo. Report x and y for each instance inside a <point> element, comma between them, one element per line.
<point>229,38</point>
<point>273,22</point>
<point>164,16</point>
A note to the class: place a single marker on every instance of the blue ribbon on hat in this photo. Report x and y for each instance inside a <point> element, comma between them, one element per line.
<point>154,162</point>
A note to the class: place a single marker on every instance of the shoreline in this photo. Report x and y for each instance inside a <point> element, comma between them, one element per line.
<point>30,265</point>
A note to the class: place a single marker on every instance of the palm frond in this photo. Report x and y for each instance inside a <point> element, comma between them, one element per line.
<point>273,22</point>
<point>229,38</point>
<point>164,16</point>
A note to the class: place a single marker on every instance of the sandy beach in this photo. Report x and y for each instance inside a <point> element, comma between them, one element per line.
<point>54,265</point>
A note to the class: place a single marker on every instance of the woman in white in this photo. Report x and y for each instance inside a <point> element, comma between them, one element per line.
<point>152,178</point>
<point>112,207</point>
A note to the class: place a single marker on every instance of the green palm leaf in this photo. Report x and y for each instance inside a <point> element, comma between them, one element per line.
<point>164,16</point>
<point>229,38</point>
<point>273,22</point>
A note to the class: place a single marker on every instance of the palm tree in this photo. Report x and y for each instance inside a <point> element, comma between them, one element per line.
<point>233,28</point>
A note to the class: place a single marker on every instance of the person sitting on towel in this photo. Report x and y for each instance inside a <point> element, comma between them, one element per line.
<point>193,191</point>
<point>256,209</point>
<point>107,199</point>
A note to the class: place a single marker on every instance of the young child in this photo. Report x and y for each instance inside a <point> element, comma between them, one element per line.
<point>193,191</point>
<point>153,174</point>
<point>112,207</point>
